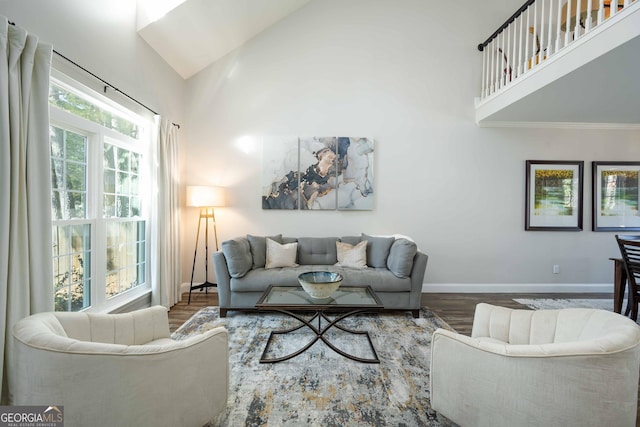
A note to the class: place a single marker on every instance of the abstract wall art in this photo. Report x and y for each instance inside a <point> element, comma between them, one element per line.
<point>318,173</point>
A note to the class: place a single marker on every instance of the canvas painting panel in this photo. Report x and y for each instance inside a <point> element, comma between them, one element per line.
<point>355,173</point>
<point>318,173</point>
<point>280,175</point>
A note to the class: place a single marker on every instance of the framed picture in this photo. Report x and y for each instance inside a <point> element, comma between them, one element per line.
<point>615,196</point>
<point>553,195</point>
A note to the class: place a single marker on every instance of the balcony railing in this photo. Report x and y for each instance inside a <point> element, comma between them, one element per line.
<point>535,33</point>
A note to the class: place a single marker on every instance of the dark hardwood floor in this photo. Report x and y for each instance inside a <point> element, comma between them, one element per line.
<point>454,308</point>
<point>458,309</point>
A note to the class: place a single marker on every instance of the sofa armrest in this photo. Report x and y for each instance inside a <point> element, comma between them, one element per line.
<point>223,279</point>
<point>417,276</point>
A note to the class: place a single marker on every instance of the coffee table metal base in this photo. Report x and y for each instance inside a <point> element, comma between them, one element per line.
<point>319,332</point>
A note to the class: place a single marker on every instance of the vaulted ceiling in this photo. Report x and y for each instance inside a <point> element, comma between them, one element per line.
<point>599,88</point>
<point>192,34</point>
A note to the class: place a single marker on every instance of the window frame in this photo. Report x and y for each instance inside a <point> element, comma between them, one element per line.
<point>97,135</point>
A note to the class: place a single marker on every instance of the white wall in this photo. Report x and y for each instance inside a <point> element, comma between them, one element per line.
<point>405,73</point>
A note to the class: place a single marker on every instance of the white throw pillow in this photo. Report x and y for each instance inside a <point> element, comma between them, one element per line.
<point>352,256</point>
<point>281,255</point>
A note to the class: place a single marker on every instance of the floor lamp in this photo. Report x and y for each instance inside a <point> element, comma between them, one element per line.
<point>207,199</point>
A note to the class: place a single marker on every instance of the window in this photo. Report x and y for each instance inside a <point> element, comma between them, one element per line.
<point>99,201</point>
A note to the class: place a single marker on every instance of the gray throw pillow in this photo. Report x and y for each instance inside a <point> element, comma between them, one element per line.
<point>238,255</point>
<point>258,245</point>
<point>352,240</point>
<point>400,261</point>
<point>377,250</point>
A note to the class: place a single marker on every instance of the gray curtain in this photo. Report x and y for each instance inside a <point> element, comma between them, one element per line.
<point>166,251</point>
<point>26,276</point>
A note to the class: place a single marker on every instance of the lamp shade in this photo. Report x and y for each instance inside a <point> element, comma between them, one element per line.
<point>205,196</point>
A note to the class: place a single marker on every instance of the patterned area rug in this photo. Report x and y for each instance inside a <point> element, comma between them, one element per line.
<point>550,303</point>
<point>320,387</point>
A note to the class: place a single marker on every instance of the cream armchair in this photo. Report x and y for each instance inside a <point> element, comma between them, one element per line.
<point>570,367</point>
<point>119,369</point>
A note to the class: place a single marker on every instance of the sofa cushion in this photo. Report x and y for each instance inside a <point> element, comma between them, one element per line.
<point>377,250</point>
<point>280,255</point>
<point>317,250</point>
<point>400,260</point>
<point>352,255</point>
<point>258,246</point>
<point>380,279</point>
<point>238,255</point>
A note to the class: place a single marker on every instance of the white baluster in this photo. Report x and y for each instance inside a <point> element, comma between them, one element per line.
<point>534,40</point>
<point>507,74</point>
<point>489,48</point>
<point>550,32</point>
<point>613,8</point>
<point>588,25</point>
<point>483,87</point>
<point>576,29</point>
<point>496,64</point>
<point>601,12</point>
<point>541,32</point>
<point>526,45</point>
<point>501,60</point>
<point>488,82</point>
<point>514,29</point>
<point>559,24</point>
<point>567,29</point>
<point>520,45</point>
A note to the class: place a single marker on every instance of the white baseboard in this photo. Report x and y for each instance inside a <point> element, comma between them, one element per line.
<point>497,288</point>
<point>517,288</point>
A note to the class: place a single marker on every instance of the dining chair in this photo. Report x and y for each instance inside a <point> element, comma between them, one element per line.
<point>630,251</point>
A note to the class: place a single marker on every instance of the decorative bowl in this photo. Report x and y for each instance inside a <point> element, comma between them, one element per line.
<point>320,284</point>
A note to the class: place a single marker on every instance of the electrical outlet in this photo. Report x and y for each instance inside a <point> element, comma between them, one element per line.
<point>556,269</point>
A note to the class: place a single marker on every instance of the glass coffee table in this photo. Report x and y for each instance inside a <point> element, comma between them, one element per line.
<point>293,301</point>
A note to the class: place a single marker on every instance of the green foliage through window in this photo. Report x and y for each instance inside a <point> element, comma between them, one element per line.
<point>82,107</point>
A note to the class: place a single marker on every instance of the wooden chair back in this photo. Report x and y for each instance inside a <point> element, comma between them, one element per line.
<point>630,251</point>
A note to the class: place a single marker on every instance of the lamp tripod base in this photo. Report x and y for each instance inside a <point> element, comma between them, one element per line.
<point>206,214</point>
<point>201,286</point>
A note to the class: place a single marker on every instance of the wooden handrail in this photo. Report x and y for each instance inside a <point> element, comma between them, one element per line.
<point>508,22</point>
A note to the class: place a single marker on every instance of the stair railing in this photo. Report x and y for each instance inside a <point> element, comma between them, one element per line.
<point>534,33</point>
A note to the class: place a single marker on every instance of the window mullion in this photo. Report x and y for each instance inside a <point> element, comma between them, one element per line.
<point>97,179</point>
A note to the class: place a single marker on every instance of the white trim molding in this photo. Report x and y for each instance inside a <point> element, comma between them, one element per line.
<point>517,288</point>
<point>560,125</point>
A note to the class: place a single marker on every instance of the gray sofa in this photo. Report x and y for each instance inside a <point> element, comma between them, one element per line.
<point>395,269</point>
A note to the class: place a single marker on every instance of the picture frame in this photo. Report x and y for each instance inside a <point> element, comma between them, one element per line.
<point>616,196</point>
<point>553,199</point>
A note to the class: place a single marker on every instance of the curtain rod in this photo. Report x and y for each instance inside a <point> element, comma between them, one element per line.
<point>106,83</point>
